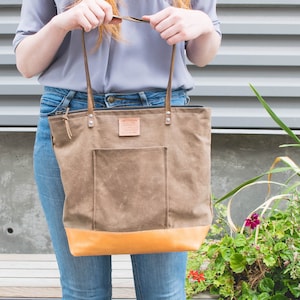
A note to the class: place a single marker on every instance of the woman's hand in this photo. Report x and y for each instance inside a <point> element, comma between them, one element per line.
<point>36,52</point>
<point>184,25</point>
<point>86,14</point>
<point>176,24</point>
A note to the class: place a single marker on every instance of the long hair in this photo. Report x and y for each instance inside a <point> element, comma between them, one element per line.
<point>114,29</point>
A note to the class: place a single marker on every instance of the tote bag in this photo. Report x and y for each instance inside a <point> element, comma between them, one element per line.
<point>136,180</point>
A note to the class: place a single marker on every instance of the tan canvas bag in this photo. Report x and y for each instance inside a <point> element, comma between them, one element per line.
<point>136,180</point>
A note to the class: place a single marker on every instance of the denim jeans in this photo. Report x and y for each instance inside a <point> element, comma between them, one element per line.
<point>156,276</point>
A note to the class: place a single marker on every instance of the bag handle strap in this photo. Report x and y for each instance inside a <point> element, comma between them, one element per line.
<point>90,99</point>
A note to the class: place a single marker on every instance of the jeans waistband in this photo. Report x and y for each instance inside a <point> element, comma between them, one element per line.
<point>135,95</point>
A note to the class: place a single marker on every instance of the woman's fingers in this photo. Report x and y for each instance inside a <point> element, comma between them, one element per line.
<point>176,24</point>
<point>87,14</point>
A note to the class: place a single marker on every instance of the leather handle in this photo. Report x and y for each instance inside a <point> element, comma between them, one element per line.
<point>91,103</point>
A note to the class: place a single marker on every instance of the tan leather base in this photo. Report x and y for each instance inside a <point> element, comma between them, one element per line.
<point>89,243</point>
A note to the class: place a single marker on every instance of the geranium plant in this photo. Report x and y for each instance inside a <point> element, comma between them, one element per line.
<point>260,259</point>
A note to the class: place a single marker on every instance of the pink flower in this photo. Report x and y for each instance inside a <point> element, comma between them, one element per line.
<point>253,221</point>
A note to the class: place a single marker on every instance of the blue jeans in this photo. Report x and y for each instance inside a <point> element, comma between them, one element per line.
<point>157,276</point>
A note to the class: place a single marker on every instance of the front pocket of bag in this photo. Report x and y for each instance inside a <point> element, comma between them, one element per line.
<point>130,189</point>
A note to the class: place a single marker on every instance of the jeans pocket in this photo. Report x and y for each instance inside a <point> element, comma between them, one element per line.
<point>130,189</point>
<point>50,104</point>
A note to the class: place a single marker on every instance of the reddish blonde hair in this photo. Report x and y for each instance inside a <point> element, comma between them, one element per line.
<point>114,29</point>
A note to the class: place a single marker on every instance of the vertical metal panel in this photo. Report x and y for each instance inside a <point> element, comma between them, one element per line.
<point>261,45</point>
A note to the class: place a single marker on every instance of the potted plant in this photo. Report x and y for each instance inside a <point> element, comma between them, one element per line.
<point>260,259</point>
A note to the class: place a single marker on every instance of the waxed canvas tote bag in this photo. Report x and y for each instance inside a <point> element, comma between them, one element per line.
<point>136,180</point>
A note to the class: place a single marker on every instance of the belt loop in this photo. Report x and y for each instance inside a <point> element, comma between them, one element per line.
<point>108,99</point>
<point>143,99</point>
<point>67,99</point>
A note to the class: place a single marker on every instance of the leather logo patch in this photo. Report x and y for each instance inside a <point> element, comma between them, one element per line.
<point>129,127</point>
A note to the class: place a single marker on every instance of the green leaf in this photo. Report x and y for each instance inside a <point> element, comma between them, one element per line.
<point>289,145</point>
<point>269,260</point>
<point>294,289</point>
<point>279,297</point>
<point>266,285</point>
<point>264,296</point>
<point>232,192</point>
<point>227,241</point>
<point>274,116</point>
<point>219,265</point>
<point>238,263</point>
<point>248,297</point>
<point>280,246</point>
<point>252,255</point>
<point>226,253</point>
<point>213,249</point>
<point>252,180</point>
<point>240,240</point>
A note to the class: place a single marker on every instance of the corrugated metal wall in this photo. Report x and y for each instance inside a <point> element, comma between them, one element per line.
<point>261,45</point>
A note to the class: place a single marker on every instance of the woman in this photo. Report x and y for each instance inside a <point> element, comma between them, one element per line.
<point>129,65</point>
